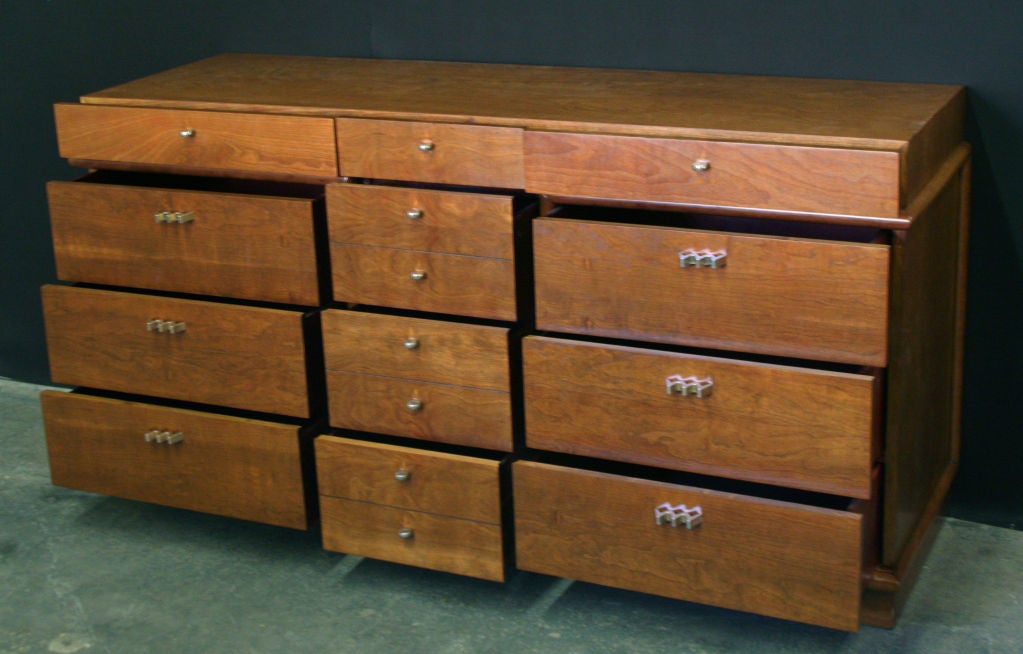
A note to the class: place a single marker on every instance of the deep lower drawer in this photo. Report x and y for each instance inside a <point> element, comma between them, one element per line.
<point>714,173</point>
<point>442,153</point>
<point>198,140</point>
<point>780,559</point>
<point>231,355</point>
<point>176,239</point>
<point>247,469</point>
<point>424,281</point>
<point>409,478</point>
<point>450,222</point>
<point>795,297</point>
<point>796,427</point>
<point>443,413</point>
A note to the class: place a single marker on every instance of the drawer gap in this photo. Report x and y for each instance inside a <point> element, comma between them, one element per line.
<point>206,184</point>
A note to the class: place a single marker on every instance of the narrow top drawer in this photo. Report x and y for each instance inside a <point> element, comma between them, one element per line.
<point>712,173</point>
<point>441,153</point>
<point>282,145</point>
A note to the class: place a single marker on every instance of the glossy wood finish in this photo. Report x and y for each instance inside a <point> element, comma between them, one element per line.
<point>785,560</point>
<point>240,468</point>
<point>230,355</point>
<point>455,284</point>
<point>450,222</point>
<point>436,482</point>
<point>440,153</point>
<point>241,246</point>
<point>795,427</point>
<point>746,175</point>
<point>804,298</point>
<point>296,145</point>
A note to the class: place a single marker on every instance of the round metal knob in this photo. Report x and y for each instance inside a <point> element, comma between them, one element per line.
<point>701,165</point>
<point>403,475</point>
<point>411,343</point>
<point>426,145</point>
<point>187,133</point>
<point>414,213</point>
<point>405,533</point>
<point>414,404</point>
<point>417,275</point>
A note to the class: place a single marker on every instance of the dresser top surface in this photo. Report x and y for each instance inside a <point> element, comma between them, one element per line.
<point>833,113</point>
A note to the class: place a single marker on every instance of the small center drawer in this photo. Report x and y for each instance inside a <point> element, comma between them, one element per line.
<point>795,427</point>
<point>779,295</point>
<point>242,468</point>
<point>792,561</point>
<point>130,230</point>
<point>441,153</point>
<point>198,140</point>
<point>231,355</point>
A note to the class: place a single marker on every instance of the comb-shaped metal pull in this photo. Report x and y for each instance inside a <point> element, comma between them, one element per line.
<point>700,387</point>
<point>693,258</point>
<point>678,516</point>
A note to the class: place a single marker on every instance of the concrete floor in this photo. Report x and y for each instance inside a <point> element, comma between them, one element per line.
<point>86,573</point>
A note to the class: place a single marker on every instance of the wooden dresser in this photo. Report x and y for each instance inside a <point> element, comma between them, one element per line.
<point>692,335</point>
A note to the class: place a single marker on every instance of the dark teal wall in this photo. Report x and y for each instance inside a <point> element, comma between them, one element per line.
<point>56,50</point>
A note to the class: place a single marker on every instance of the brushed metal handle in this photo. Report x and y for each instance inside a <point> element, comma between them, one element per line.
<point>165,326</point>
<point>700,387</point>
<point>414,213</point>
<point>406,533</point>
<point>414,404</point>
<point>411,343</point>
<point>403,475</point>
<point>187,133</point>
<point>176,217</point>
<point>701,165</point>
<point>426,145</point>
<point>693,258</point>
<point>417,275</point>
<point>164,437</point>
<point>678,516</point>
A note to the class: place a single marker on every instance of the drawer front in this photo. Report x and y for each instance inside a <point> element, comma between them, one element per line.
<point>782,425</point>
<point>419,219</point>
<point>235,356</point>
<point>779,559</point>
<point>435,412</point>
<point>276,144</point>
<point>416,349</point>
<point>247,469</point>
<point>424,281</point>
<point>243,246</point>
<point>792,297</point>
<point>709,173</point>
<point>425,540</point>
<point>408,478</point>
<point>442,153</point>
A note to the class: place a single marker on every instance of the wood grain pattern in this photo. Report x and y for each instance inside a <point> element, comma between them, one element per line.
<point>442,543</point>
<point>446,484</point>
<point>230,355</point>
<point>278,144</point>
<point>473,155</point>
<point>241,246</point>
<point>794,427</point>
<point>446,352</point>
<point>449,414</point>
<point>246,469</point>
<point>783,296</point>
<point>451,222</point>
<point>455,284</point>
<point>785,560</point>
<point>747,175</point>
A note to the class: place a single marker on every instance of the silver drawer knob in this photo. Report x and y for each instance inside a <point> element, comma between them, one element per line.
<point>403,475</point>
<point>405,533</point>
<point>414,214</point>
<point>426,145</point>
<point>701,165</point>
<point>417,275</point>
<point>187,133</point>
<point>411,343</point>
<point>414,404</point>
